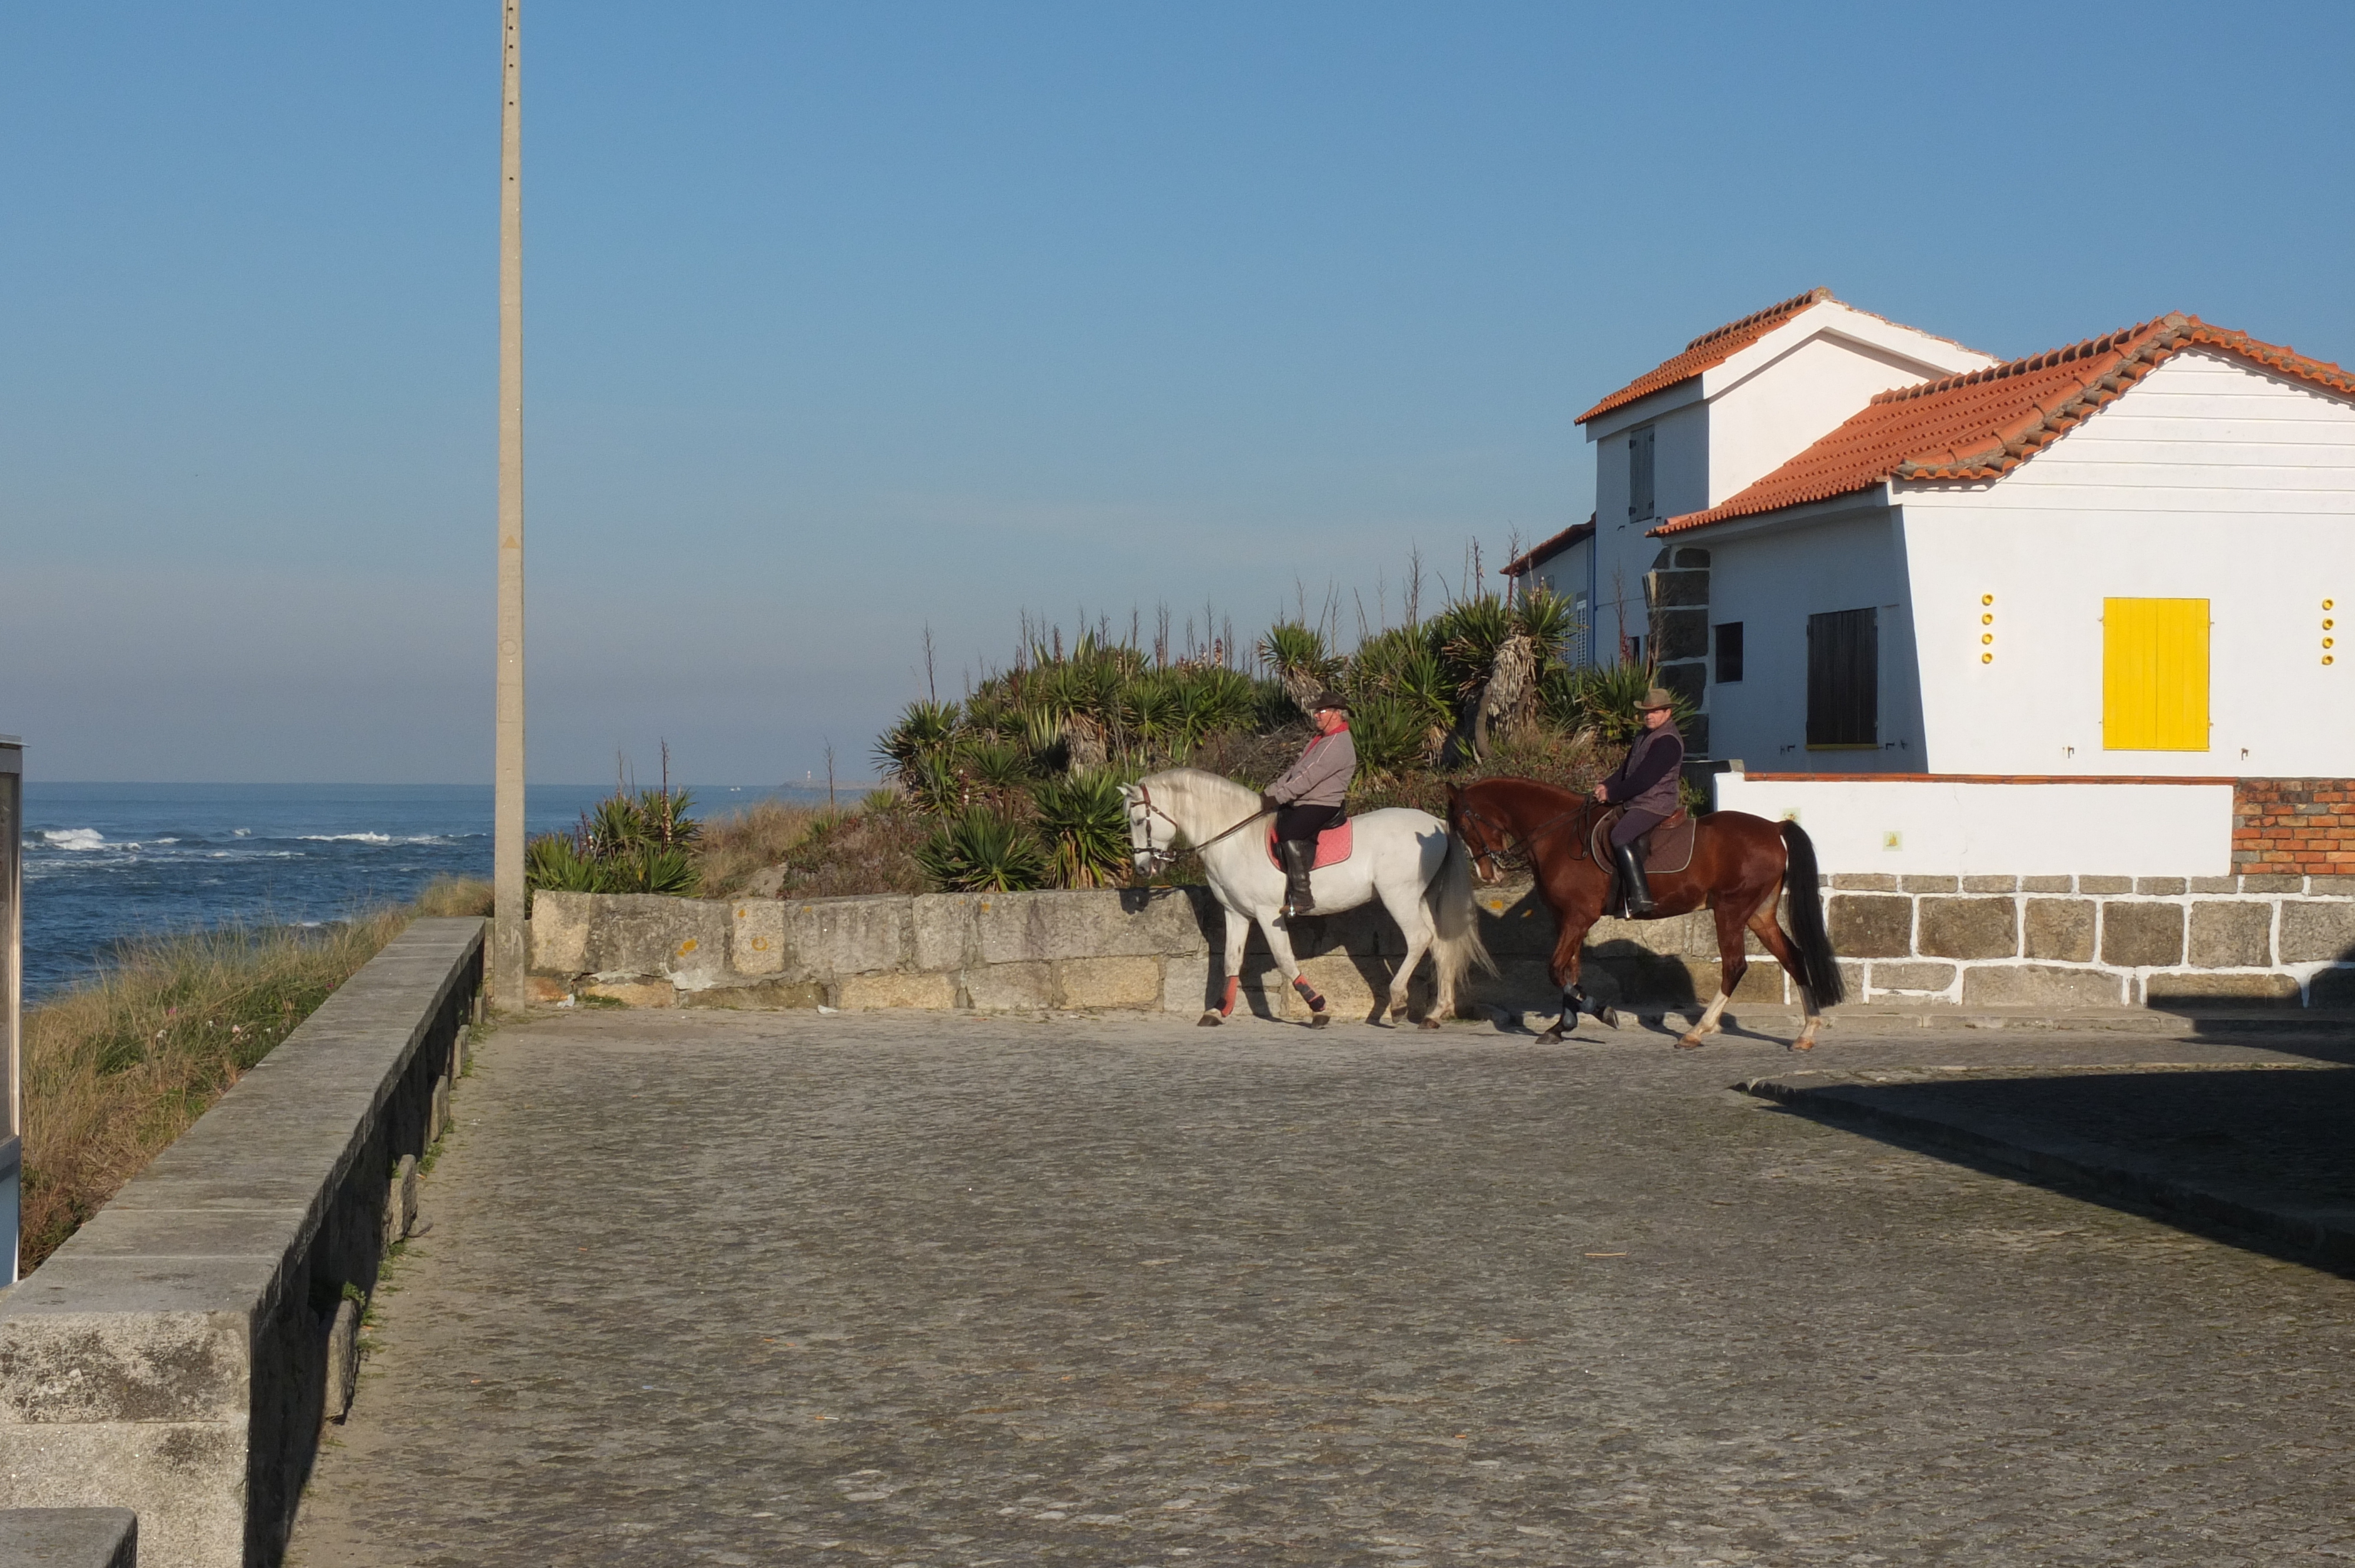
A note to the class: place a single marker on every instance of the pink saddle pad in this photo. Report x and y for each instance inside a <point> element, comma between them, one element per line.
<point>1332,846</point>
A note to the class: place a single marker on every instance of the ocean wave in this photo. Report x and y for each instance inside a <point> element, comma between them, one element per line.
<point>345,838</point>
<point>80,839</point>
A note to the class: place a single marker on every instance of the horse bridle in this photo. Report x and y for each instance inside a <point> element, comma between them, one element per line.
<point>1159,858</point>
<point>1500,834</point>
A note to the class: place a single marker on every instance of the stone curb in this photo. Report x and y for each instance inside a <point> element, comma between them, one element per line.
<point>1859,1018</point>
<point>2326,1236</point>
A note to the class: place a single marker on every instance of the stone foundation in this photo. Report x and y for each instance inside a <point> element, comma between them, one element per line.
<point>2097,941</point>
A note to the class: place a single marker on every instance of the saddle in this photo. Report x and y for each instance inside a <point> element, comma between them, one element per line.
<point>1668,849</point>
<point>1332,846</point>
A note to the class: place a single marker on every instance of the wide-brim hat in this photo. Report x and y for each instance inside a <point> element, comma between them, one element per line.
<point>1324,700</point>
<point>1657,697</point>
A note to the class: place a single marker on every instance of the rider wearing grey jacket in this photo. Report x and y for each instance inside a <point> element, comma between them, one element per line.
<point>1308,797</point>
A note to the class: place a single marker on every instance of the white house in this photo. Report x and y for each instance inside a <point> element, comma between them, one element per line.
<point>2065,613</point>
<point>1736,404</point>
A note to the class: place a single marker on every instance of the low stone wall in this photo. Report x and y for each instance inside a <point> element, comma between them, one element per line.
<point>176,1356</point>
<point>2097,941</point>
<point>68,1538</point>
<point>1978,941</point>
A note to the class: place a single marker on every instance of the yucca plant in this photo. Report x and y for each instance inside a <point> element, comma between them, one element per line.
<point>1151,713</point>
<point>556,864</point>
<point>1468,635</point>
<point>933,784</point>
<point>994,765</point>
<point>1390,735</point>
<point>1546,620</point>
<point>1083,820</point>
<point>1607,698</point>
<point>654,868</point>
<point>978,851</point>
<point>924,730</point>
<point>1297,655</point>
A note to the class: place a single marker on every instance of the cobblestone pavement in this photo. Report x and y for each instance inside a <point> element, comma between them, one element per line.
<point>915,1289</point>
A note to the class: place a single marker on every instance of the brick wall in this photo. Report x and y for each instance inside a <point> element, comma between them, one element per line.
<point>2292,827</point>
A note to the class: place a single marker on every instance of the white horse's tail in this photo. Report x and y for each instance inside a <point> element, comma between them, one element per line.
<point>1456,920</point>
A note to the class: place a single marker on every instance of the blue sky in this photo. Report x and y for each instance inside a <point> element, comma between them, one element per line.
<point>847,320</point>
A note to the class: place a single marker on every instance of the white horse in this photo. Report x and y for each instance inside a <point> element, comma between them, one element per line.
<point>1406,858</point>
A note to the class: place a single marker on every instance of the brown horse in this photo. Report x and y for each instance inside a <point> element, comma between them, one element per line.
<point>1741,867</point>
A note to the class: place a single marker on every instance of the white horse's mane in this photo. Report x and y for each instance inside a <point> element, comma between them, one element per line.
<point>1191,793</point>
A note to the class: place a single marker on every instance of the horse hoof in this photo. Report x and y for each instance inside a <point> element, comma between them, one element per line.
<point>1429,1024</point>
<point>1803,1044</point>
<point>1211,1020</point>
<point>1552,1036</point>
<point>1319,1019</point>
<point>1688,1043</point>
<point>1610,1017</point>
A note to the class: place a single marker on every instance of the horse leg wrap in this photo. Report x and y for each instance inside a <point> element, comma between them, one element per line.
<point>1227,1002</point>
<point>1308,994</point>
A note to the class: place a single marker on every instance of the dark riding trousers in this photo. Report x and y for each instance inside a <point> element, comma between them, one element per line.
<point>1633,825</point>
<point>1647,783</point>
<point>1304,822</point>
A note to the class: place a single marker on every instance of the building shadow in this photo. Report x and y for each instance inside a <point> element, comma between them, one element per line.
<point>2258,1156</point>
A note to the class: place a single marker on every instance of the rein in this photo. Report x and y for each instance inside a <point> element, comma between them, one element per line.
<point>1144,799</point>
<point>1541,830</point>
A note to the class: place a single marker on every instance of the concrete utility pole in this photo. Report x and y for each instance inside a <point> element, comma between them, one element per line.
<point>508,956</point>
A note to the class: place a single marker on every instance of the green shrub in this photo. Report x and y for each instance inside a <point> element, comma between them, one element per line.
<point>1083,820</point>
<point>978,851</point>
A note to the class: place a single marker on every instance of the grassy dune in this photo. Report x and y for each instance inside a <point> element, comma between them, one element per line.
<point>117,1068</point>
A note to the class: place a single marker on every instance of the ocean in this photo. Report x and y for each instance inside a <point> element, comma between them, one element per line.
<point>108,862</point>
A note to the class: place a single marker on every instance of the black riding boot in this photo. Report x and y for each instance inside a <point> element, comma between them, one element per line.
<point>1298,856</point>
<point>1635,893</point>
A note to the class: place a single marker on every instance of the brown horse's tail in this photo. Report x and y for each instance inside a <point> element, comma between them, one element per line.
<point>1456,945</point>
<point>1800,881</point>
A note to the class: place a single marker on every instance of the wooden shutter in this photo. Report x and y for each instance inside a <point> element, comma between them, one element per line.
<point>1844,678</point>
<point>2155,674</point>
<point>1639,473</point>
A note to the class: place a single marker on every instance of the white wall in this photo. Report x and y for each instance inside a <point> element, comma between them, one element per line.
<point>1567,573</point>
<point>1784,406</point>
<point>1771,582</point>
<point>1995,830</point>
<point>1623,551</point>
<point>2211,479</point>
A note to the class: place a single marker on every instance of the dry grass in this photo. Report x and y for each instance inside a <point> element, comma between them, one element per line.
<point>117,1068</point>
<point>871,849</point>
<point>733,847</point>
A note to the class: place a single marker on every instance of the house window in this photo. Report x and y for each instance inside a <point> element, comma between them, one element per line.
<point>1728,652</point>
<point>2155,674</point>
<point>1639,473</point>
<point>1634,650</point>
<point>1844,678</point>
<point>1578,633</point>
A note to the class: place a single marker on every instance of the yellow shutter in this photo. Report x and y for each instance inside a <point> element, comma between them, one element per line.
<point>2155,674</point>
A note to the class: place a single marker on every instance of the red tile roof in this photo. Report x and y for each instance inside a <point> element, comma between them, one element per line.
<point>1985,423</point>
<point>1710,348</point>
<point>1547,549</point>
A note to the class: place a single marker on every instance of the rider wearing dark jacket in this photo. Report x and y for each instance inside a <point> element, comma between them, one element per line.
<point>1647,783</point>
<point>1308,797</point>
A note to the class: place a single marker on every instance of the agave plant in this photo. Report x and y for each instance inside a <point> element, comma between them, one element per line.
<point>924,730</point>
<point>1083,820</point>
<point>978,851</point>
